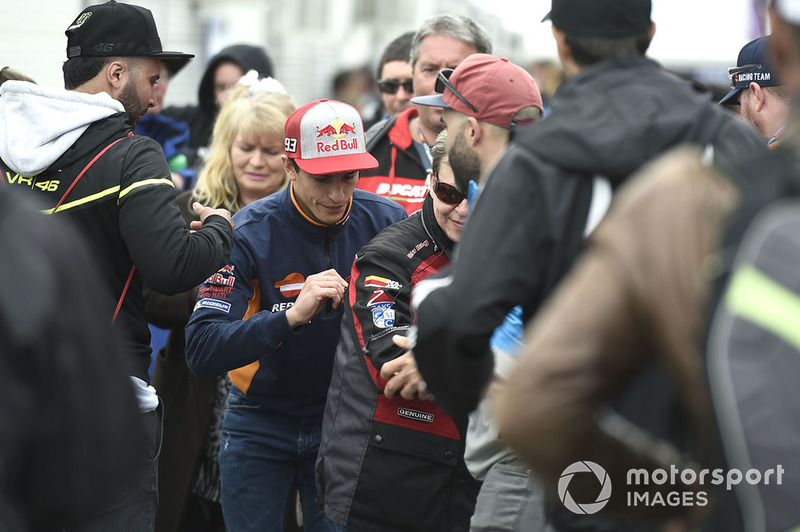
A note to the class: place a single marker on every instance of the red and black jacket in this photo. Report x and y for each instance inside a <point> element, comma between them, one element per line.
<point>402,174</point>
<point>390,464</point>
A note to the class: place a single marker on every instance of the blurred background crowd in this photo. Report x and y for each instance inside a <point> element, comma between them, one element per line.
<point>698,40</point>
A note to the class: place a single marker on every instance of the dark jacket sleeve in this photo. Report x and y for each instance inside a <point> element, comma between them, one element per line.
<point>169,257</point>
<point>499,265</point>
<point>379,305</point>
<point>173,311</point>
<point>232,332</point>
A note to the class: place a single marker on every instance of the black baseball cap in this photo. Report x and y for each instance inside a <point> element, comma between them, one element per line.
<point>600,18</point>
<point>116,29</point>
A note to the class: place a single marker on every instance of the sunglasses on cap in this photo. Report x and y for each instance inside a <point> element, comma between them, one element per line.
<point>443,81</point>
<point>734,71</point>
<point>391,86</point>
<point>448,193</point>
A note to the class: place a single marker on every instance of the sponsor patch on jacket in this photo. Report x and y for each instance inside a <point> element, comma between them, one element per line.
<point>216,304</point>
<point>383,315</point>
<point>291,285</point>
<point>223,277</point>
<point>373,281</point>
<point>215,292</point>
<point>418,247</point>
<point>416,415</point>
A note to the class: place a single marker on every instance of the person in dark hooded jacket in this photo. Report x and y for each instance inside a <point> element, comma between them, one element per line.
<point>617,110</point>
<point>221,75</point>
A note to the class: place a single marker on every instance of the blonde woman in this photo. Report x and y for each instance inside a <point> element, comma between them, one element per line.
<point>244,162</point>
<point>243,165</point>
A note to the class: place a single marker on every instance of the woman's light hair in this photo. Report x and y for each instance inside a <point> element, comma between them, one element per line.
<point>439,152</point>
<point>252,115</point>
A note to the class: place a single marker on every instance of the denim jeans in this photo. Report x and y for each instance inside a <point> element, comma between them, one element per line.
<point>135,509</point>
<point>262,459</point>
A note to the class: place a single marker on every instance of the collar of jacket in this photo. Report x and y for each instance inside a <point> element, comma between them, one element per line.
<point>435,232</point>
<point>309,228</point>
<point>399,135</point>
<point>620,70</point>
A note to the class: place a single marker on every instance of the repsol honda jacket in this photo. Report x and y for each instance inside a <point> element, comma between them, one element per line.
<point>390,464</point>
<point>239,323</point>
<point>402,175</point>
<point>124,203</point>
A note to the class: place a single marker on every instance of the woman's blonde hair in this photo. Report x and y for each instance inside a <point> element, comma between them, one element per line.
<point>256,114</point>
<point>439,153</point>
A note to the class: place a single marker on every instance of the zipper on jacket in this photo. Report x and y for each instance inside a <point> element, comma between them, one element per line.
<point>328,265</point>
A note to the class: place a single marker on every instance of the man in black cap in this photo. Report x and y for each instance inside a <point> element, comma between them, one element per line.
<point>76,151</point>
<point>616,110</point>
<point>758,91</point>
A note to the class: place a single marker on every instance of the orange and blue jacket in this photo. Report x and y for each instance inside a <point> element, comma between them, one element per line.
<point>239,323</point>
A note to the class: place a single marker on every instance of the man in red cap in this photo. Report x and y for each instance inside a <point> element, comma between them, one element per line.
<point>271,316</point>
<point>483,100</point>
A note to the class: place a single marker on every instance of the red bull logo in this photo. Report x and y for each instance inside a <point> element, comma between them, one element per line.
<point>336,129</point>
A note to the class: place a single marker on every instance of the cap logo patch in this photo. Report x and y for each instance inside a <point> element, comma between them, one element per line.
<point>81,19</point>
<point>753,76</point>
<point>336,129</point>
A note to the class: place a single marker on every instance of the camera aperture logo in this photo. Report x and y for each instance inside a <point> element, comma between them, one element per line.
<point>663,487</point>
<point>602,497</point>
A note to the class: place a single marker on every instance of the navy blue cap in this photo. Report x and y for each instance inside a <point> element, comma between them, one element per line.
<point>753,66</point>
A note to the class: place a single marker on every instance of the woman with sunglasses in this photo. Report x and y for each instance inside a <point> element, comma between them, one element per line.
<point>387,427</point>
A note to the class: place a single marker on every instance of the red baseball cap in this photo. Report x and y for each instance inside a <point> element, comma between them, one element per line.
<point>495,86</point>
<point>327,137</point>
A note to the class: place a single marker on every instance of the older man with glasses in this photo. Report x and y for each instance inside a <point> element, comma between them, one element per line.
<point>402,143</point>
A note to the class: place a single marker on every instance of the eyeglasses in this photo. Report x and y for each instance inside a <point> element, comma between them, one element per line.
<point>734,71</point>
<point>391,86</point>
<point>443,81</point>
<point>448,193</point>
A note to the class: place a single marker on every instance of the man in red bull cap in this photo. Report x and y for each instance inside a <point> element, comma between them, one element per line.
<point>275,324</point>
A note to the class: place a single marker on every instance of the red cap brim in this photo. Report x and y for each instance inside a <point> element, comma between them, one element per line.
<point>353,162</point>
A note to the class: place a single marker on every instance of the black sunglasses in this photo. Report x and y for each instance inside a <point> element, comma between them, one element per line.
<point>443,81</point>
<point>391,86</point>
<point>733,71</point>
<point>448,193</point>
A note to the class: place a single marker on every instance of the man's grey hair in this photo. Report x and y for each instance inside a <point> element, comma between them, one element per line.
<point>459,27</point>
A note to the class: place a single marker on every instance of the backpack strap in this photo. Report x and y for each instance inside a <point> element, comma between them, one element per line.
<point>85,168</point>
<point>64,197</point>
